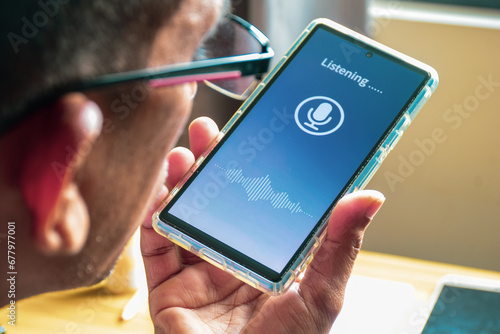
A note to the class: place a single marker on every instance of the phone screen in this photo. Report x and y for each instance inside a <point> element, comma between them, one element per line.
<point>261,194</point>
<point>465,310</point>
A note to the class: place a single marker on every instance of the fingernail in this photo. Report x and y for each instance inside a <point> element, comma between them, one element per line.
<point>375,206</point>
<point>91,119</point>
<point>165,170</point>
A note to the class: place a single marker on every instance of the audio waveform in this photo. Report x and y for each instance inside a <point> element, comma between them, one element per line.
<point>259,188</point>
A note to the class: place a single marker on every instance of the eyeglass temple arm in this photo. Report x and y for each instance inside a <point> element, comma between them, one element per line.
<point>223,68</point>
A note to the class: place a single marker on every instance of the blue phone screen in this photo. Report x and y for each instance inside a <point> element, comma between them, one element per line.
<point>463,310</point>
<point>267,187</point>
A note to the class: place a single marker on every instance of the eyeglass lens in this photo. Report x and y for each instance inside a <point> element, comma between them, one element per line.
<point>232,39</point>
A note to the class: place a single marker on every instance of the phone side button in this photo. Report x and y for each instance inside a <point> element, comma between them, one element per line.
<point>306,263</point>
<point>404,123</point>
<point>212,258</point>
<point>392,140</point>
<point>381,155</point>
<point>396,135</point>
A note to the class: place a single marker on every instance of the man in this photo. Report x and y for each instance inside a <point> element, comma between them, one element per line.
<point>80,173</point>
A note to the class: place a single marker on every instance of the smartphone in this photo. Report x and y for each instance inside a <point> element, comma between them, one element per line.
<point>316,128</point>
<point>465,305</point>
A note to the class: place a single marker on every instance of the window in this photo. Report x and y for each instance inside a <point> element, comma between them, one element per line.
<point>470,3</point>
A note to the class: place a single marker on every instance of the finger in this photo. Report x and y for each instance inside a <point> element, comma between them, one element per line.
<point>202,132</point>
<point>161,260</point>
<point>325,280</point>
<point>179,161</point>
<point>160,257</point>
<point>199,285</point>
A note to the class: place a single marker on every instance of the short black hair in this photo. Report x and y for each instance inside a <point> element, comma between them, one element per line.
<point>47,43</point>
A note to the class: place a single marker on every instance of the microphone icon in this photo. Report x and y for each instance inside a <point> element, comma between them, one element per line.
<point>320,116</point>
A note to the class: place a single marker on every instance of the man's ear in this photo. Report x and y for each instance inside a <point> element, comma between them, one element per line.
<point>56,142</point>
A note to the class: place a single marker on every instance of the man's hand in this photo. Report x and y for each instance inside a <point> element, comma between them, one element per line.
<point>188,295</point>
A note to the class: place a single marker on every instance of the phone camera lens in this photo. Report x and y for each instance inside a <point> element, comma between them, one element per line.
<point>369,54</point>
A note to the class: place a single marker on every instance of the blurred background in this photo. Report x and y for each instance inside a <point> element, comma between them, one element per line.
<point>441,181</point>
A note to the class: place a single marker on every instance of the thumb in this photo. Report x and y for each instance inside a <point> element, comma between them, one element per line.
<point>324,283</point>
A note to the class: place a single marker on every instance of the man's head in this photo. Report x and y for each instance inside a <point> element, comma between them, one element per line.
<point>79,175</point>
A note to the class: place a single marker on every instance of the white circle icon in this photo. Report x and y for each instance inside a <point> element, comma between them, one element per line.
<point>319,115</point>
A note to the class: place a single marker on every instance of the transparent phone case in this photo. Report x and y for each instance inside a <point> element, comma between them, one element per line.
<point>301,263</point>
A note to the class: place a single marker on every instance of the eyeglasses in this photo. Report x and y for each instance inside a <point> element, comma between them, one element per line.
<point>231,61</point>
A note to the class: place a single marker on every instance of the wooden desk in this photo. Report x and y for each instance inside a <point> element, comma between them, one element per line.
<point>95,310</point>
<point>423,275</point>
<point>91,310</point>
